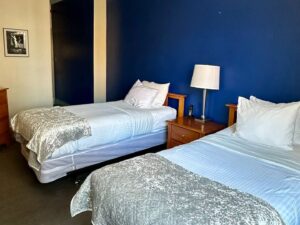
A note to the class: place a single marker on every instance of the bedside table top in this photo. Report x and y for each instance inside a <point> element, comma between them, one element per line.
<point>196,125</point>
<point>3,89</point>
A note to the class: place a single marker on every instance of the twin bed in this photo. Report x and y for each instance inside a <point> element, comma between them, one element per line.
<point>115,129</point>
<point>219,179</point>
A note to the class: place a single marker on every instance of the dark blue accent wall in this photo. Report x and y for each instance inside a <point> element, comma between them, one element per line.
<point>256,43</point>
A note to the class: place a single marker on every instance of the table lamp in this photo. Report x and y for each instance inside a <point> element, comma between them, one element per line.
<point>206,77</point>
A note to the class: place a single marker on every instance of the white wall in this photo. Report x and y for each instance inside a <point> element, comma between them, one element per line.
<point>29,79</point>
<point>99,50</point>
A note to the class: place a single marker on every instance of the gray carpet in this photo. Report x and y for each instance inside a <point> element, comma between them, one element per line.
<point>24,201</point>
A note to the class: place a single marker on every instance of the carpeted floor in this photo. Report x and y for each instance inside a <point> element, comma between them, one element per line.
<point>24,201</point>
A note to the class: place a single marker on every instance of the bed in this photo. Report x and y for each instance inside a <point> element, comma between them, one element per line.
<point>58,140</point>
<point>219,179</point>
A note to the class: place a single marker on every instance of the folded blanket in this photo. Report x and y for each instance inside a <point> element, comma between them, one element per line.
<point>47,129</point>
<point>151,190</point>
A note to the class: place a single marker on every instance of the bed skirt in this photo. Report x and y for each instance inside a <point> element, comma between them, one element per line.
<point>55,168</point>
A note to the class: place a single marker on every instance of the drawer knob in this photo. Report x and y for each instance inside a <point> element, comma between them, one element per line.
<point>182,135</point>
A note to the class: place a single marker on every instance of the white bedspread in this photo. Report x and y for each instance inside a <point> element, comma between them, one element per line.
<point>268,173</point>
<point>115,121</point>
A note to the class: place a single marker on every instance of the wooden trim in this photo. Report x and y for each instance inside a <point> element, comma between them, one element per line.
<point>3,89</point>
<point>181,100</point>
<point>232,114</point>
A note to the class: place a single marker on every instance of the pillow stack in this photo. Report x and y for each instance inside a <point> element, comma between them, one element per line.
<point>276,125</point>
<point>147,94</point>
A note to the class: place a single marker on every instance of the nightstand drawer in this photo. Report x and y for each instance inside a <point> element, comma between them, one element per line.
<point>3,110</point>
<point>172,143</point>
<point>3,99</point>
<point>186,129</point>
<point>183,135</point>
<point>4,120</point>
<point>5,138</point>
<point>4,126</point>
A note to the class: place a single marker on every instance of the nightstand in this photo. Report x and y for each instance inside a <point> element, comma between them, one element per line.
<point>185,129</point>
<point>4,121</point>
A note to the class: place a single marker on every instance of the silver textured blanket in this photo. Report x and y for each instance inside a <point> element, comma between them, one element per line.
<point>151,190</point>
<point>47,129</point>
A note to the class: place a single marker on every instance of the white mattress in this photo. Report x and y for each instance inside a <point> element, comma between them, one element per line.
<point>55,168</point>
<point>269,173</point>
<point>96,115</point>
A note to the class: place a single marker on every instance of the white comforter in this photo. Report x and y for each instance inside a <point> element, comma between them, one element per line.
<point>268,173</point>
<point>115,121</point>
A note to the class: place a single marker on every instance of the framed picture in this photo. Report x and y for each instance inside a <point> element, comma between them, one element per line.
<point>15,42</point>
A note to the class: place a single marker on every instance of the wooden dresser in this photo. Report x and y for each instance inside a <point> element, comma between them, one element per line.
<point>185,129</point>
<point>4,119</point>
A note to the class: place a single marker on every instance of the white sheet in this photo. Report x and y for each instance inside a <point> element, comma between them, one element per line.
<point>112,117</point>
<point>268,173</point>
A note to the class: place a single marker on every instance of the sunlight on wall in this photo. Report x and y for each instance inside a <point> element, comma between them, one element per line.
<point>29,79</point>
<point>99,50</point>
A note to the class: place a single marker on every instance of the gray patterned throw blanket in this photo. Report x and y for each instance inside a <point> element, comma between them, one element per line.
<point>47,129</point>
<point>151,190</point>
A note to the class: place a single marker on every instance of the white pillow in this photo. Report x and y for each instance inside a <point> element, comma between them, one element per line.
<point>141,97</point>
<point>297,125</point>
<point>137,83</point>
<point>163,90</point>
<point>272,126</point>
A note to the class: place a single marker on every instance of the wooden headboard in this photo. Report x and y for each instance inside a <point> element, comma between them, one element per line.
<point>181,100</point>
<point>232,114</point>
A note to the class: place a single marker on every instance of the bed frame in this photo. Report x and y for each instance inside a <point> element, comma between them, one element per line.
<point>181,100</point>
<point>232,114</point>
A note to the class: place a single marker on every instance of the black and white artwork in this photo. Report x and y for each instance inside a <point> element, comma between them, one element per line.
<point>15,42</point>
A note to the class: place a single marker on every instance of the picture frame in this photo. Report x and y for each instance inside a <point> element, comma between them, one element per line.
<point>16,43</point>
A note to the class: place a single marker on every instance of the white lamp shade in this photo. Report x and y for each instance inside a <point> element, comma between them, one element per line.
<point>206,77</point>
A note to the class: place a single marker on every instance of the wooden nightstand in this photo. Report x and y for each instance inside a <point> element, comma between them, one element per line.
<point>184,130</point>
<point>4,121</point>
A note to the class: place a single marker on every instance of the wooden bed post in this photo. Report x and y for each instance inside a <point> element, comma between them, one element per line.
<point>181,100</point>
<point>232,114</point>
